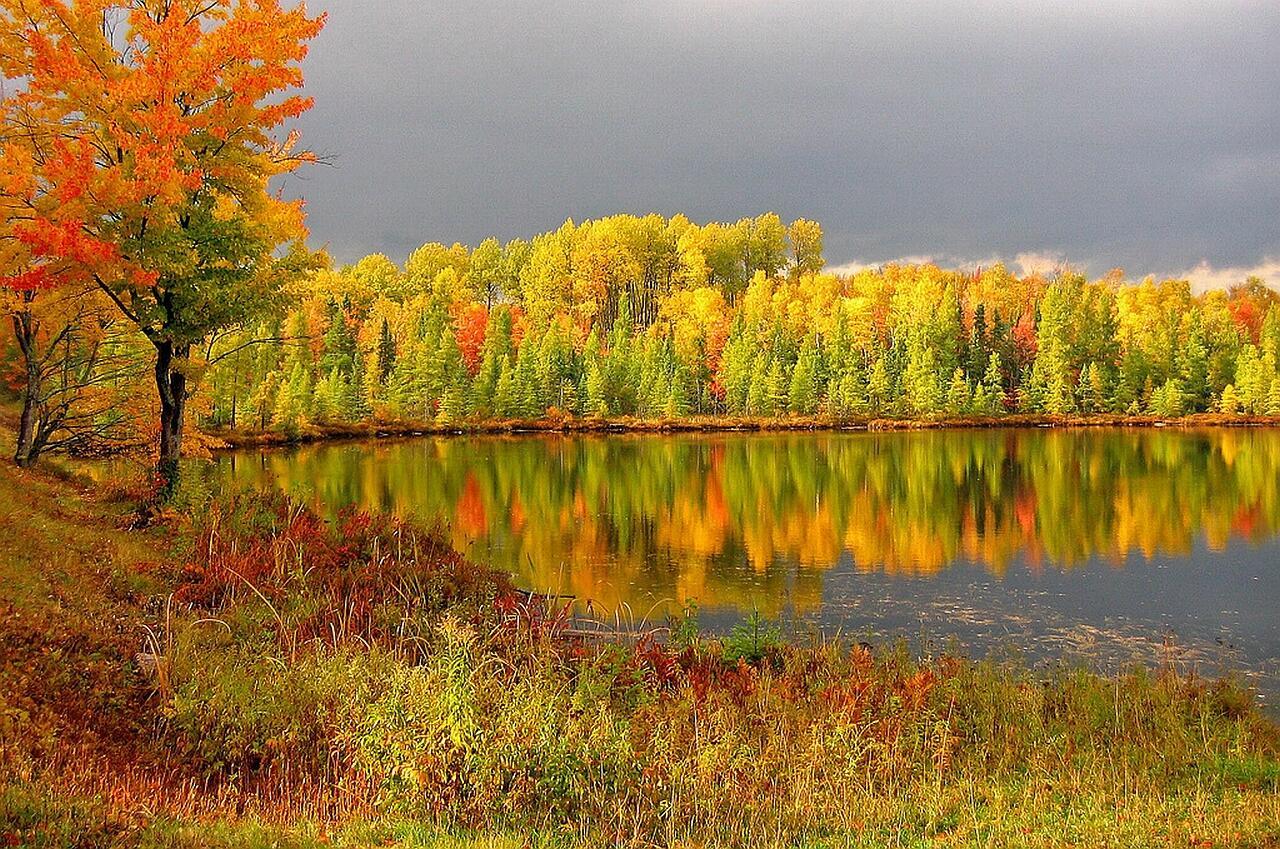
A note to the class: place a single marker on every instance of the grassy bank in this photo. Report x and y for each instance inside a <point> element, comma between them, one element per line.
<point>247,674</point>
<point>245,438</point>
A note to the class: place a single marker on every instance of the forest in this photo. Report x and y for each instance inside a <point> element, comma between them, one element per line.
<point>655,318</point>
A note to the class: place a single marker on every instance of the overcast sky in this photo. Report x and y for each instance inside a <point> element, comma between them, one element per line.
<point>1106,132</point>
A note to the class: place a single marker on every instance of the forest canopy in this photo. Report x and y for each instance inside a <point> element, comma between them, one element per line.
<point>663,318</point>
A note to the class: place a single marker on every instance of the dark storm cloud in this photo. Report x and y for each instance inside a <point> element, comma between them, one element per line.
<point>1143,134</point>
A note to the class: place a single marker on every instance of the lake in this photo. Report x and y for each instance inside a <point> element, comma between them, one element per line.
<point>1103,545</point>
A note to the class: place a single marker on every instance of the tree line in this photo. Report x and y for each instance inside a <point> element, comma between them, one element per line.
<point>644,316</point>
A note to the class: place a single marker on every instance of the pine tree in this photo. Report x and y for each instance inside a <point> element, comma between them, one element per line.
<point>776,384</point>
<point>736,363</point>
<point>1193,367</point>
<point>759,401</point>
<point>406,385</point>
<point>993,382</point>
<point>681,389</point>
<point>879,388</point>
<point>977,348</point>
<point>802,393</point>
<point>1088,389</point>
<point>1132,380</point>
<point>1230,403</point>
<point>1273,398</point>
<point>958,397</point>
<point>593,392</point>
<point>453,405</point>
<point>486,384</point>
<point>505,403</point>
<point>1269,333</point>
<point>386,352</point>
<point>982,399</point>
<point>924,394</point>
<point>339,342</point>
<point>324,401</point>
<point>528,392</point>
<point>596,404</point>
<point>292,401</point>
<point>555,360</point>
<point>357,404</point>
<point>651,393</point>
<point>1169,399</point>
<point>848,393</point>
<point>1052,382</point>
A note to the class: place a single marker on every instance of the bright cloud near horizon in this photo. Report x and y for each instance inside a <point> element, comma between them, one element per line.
<point>1144,135</point>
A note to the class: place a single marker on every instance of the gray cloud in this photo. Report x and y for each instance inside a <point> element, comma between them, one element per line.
<point>1111,132</point>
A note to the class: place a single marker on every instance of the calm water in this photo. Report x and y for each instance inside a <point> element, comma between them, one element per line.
<point>1104,545</point>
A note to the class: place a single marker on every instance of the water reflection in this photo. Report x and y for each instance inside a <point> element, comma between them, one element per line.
<point>741,521</point>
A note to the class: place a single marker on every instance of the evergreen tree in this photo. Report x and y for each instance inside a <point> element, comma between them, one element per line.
<point>1269,333</point>
<point>1053,379</point>
<point>555,365</point>
<point>356,403</point>
<point>386,352</point>
<point>1230,403</point>
<point>923,391</point>
<point>593,392</point>
<point>958,397</point>
<point>505,403</point>
<point>879,388</point>
<point>759,400</point>
<point>453,405</point>
<point>1133,377</point>
<point>993,382</point>
<point>802,394</point>
<point>1168,400</point>
<point>776,384</point>
<point>736,362</point>
<point>595,401</point>
<point>339,342</point>
<point>1273,398</point>
<point>528,391</point>
<point>1194,369</point>
<point>680,392</point>
<point>292,407</point>
<point>324,401</point>
<point>1091,391</point>
<point>977,348</point>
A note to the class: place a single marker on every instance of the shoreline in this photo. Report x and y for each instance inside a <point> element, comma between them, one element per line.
<point>233,439</point>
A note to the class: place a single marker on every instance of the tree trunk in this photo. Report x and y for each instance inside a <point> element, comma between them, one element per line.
<point>171,383</point>
<point>28,451</point>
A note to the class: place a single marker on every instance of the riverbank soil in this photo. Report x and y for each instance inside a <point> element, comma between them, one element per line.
<point>242,438</point>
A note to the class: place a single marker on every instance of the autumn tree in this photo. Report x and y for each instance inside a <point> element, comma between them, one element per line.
<point>805,238</point>
<point>156,120</point>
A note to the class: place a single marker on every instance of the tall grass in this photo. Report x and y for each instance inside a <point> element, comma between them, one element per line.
<point>369,671</point>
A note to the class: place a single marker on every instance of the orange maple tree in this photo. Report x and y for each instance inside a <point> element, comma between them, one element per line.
<point>150,130</point>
